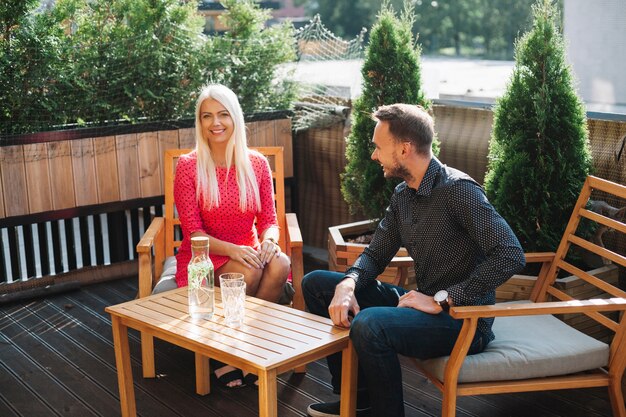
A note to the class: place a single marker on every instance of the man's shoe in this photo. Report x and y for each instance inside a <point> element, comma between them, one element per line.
<point>332,410</point>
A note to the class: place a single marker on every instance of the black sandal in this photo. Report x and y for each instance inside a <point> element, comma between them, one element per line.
<point>227,377</point>
<point>250,379</point>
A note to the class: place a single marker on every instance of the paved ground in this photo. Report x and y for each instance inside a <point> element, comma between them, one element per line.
<point>443,78</point>
<point>478,80</point>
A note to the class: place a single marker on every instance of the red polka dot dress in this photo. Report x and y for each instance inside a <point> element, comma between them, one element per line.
<point>226,222</point>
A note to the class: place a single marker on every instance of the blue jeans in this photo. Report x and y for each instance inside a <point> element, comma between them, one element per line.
<point>380,332</point>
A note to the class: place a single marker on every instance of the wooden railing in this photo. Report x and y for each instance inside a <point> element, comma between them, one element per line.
<point>79,200</point>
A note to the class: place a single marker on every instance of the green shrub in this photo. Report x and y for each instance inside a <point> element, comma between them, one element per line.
<point>95,62</point>
<point>539,152</point>
<point>391,74</point>
<point>31,61</point>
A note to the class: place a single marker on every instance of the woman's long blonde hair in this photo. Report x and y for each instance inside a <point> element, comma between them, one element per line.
<point>236,152</point>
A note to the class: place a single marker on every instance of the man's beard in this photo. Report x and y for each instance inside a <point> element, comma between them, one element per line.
<point>399,171</point>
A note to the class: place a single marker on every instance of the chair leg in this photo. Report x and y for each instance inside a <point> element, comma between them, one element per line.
<point>448,408</point>
<point>617,399</point>
<point>147,355</point>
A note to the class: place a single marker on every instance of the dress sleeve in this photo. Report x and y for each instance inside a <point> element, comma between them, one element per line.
<point>267,216</point>
<point>185,196</point>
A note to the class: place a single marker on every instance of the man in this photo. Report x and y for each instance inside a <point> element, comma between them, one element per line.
<point>462,250</point>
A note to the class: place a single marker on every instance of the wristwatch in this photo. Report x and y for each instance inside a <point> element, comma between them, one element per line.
<point>441,297</point>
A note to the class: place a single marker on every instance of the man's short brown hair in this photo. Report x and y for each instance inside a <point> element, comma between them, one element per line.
<point>408,123</point>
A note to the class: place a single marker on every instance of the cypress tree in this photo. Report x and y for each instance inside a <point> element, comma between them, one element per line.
<point>391,74</point>
<point>539,151</point>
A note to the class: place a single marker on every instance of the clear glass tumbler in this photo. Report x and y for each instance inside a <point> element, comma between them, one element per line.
<point>233,289</point>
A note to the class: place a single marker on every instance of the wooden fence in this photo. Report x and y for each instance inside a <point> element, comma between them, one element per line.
<point>80,200</point>
<point>464,133</point>
<point>61,174</point>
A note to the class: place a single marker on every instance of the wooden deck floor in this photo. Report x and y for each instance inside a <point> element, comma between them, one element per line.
<point>57,360</point>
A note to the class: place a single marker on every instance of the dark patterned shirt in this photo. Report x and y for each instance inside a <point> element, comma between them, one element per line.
<point>456,238</point>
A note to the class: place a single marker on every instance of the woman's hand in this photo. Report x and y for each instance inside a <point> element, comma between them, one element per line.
<point>247,256</point>
<point>268,250</point>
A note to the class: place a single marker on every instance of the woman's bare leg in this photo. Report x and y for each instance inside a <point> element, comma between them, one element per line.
<point>273,279</point>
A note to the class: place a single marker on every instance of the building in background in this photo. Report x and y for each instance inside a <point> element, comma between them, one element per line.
<point>211,10</point>
<point>595,34</point>
<point>282,10</point>
<point>287,11</point>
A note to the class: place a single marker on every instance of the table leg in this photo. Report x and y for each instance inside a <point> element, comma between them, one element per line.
<point>267,394</point>
<point>124,371</point>
<point>147,355</point>
<point>203,375</point>
<point>349,367</point>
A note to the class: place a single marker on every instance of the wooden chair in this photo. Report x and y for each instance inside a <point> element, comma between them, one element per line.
<point>533,350</point>
<point>158,243</point>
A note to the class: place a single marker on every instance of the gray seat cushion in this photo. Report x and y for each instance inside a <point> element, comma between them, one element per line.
<point>529,347</point>
<point>168,276</point>
<point>168,282</point>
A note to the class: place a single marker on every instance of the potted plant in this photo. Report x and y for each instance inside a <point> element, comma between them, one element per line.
<point>539,151</point>
<point>391,74</point>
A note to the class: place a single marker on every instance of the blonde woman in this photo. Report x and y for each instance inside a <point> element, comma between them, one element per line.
<point>224,190</point>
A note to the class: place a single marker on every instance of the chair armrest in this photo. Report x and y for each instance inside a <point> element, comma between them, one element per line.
<point>147,240</point>
<point>403,263</point>
<point>153,238</point>
<point>294,243</point>
<point>538,292</point>
<point>536,257</point>
<point>530,308</point>
<point>293,234</point>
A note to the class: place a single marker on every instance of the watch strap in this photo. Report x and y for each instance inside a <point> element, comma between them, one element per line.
<point>445,304</point>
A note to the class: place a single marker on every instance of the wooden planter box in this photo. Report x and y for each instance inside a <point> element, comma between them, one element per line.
<point>520,286</point>
<point>342,254</point>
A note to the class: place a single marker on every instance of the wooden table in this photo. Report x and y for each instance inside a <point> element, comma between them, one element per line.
<point>273,339</point>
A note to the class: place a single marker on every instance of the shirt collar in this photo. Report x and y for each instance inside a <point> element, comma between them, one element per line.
<point>426,186</point>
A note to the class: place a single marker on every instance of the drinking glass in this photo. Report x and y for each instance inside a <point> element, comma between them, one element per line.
<point>233,288</point>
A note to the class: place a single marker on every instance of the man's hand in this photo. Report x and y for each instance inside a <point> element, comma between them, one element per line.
<point>343,302</point>
<point>419,301</point>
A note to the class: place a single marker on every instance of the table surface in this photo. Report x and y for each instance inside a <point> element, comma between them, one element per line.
<point>270,336</point>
